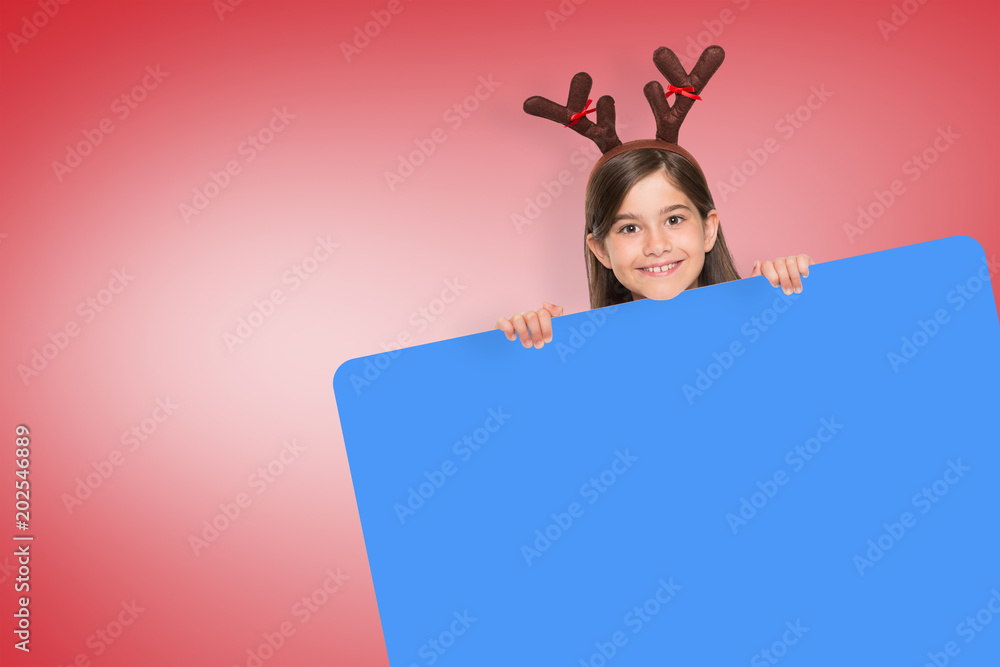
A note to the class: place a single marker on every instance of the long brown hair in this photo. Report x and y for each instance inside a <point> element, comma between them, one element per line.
<point>606,191</point>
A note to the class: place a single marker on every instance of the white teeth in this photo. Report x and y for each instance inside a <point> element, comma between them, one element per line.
<point>659,269</point>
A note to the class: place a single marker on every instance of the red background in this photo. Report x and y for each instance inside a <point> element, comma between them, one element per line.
<point>356,116</point>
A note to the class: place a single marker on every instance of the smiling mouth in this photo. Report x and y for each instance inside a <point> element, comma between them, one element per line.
<point>661,271</point>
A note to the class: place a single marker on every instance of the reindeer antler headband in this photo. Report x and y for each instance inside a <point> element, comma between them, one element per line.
<point>687,87</point>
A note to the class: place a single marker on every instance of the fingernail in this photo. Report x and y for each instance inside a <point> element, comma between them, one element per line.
<point>538,345</point>
<point>798,290</point>
<point>549,339</point>
<point>787,291</point>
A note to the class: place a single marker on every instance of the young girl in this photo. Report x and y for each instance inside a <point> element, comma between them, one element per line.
<point>652,230</point>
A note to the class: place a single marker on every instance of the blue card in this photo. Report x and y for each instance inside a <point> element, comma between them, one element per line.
<point>730,477</point>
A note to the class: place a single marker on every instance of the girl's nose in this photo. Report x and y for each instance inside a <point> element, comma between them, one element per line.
<point>658,241</point>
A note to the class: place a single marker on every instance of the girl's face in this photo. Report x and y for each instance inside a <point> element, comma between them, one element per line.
<point>657,227</point>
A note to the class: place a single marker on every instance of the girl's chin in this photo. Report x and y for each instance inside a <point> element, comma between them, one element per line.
<point>661,294</point>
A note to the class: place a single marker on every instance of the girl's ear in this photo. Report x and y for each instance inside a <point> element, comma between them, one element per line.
<point>597,247</point>
<point>711,229</point>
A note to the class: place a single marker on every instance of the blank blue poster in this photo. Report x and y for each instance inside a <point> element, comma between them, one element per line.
<point>730,477</point>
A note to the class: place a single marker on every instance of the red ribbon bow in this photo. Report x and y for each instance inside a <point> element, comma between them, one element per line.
<point>687,91</point>
<point>575,118</point>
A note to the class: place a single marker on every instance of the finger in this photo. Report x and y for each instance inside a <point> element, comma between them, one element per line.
<point>521,327</point>
<point>545,322</point>
<point>767,267</point>
<point>782,268</point>
<point>534,328</point>
<point>554,310</point>
<point>792,264</point>
<point>504,325</point>
<point>804,262</point>
<point>756,268</point>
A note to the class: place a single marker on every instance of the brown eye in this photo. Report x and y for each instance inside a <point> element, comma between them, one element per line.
<point>630,228</point>
<point>674,220</point>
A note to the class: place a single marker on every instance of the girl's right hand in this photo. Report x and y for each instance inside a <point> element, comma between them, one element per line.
<point>533,327</point>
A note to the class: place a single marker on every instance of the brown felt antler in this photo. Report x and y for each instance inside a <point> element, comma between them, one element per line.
<point>669,117</point>
<point>602,132</point>
<point>686,85</point>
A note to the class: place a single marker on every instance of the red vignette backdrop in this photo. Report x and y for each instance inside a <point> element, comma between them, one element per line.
<point>208,206</point>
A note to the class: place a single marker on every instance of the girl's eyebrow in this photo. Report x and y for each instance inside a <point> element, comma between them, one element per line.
<point>663,211</point>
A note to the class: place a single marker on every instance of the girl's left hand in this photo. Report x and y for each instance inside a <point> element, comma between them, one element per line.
<point>784,271</point>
